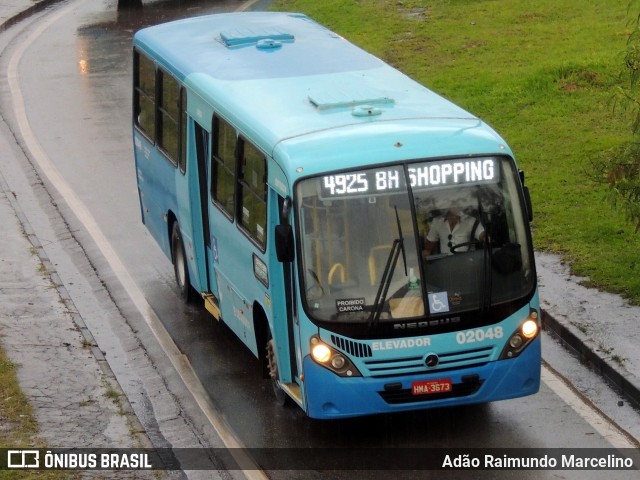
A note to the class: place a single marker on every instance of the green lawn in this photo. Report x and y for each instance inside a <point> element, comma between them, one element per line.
<point>542,73</point>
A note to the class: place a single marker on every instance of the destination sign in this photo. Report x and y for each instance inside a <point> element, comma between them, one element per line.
<point>392,179</point>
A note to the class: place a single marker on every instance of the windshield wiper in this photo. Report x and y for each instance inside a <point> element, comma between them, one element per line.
<point>387,274</point>
<point>401,238</point>
<point>487,257</point>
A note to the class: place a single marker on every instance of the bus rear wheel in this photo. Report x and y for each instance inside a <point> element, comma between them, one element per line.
<point>180,268</point>
<point>274,376</point>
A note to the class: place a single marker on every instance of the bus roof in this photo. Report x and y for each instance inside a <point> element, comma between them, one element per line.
<point>308,97</point>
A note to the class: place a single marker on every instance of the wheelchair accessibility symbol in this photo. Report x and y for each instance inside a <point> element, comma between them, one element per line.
<point>438,302</point>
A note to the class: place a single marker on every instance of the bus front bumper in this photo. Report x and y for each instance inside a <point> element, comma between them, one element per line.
<point>330,396</point>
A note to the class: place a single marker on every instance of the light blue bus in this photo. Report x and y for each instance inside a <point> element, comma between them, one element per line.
<point>365,238</point>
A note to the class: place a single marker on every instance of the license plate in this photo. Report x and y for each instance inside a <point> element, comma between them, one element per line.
<point>428,387</point>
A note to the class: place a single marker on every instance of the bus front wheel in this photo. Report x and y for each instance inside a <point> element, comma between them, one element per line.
<point>281,397</point>
<point>180,268</point>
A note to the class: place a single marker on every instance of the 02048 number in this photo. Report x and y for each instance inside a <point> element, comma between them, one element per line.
<point>479,335</point>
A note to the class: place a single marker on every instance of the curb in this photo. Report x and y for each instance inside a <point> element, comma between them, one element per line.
<point>588,356</point>
<point>21,15</point>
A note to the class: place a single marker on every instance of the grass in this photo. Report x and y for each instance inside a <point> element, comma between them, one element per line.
<point>18,428</point>
<point>114,395</point>
<point>542,74</point>
<point>17,423</point>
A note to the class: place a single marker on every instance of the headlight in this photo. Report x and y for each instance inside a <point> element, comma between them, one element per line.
<point>321,353</point>
<point>332,359</point>
<point>527,331</point>
<point>530,328</point>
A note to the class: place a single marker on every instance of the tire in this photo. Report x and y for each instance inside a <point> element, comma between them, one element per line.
<point>180,267</point>
<point>280,395</point>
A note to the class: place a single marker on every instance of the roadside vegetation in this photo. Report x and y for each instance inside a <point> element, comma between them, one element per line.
<point>18,428</point>
<point>621,167</point>
<point>544,75</point>
<point>16,421</point>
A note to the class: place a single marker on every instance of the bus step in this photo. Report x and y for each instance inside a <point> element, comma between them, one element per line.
<point>211,304</point>
<point>293,389</point>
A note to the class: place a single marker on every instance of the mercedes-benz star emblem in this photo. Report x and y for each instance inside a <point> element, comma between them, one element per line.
<point>431,360</point>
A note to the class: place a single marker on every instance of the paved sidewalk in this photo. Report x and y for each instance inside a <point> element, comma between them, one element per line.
<point>75,397</point>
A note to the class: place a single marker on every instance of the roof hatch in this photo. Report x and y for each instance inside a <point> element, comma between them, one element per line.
<point>254,36</point>
<point>340,98</point>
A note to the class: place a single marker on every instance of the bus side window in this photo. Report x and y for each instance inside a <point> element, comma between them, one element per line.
<point>223,176</point>
<point>144,94</point>
<point>182,160</point>
<point>169,116</point>
<point>252,191</point>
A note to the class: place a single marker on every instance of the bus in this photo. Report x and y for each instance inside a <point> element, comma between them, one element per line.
<point>366,239</point>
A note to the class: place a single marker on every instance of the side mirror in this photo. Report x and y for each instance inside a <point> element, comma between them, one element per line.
<point>285,248</point>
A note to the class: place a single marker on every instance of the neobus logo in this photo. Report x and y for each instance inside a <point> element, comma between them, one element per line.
<point>426,324</point>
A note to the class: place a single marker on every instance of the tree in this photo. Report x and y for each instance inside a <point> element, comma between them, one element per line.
<point>620,167</point>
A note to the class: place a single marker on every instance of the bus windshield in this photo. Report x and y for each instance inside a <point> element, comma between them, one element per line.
<point>413,240</point>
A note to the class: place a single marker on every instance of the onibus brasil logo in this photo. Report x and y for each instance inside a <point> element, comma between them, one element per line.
<point>23,459</point>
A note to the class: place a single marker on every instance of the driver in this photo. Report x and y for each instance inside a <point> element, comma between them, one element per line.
<point>453,228</point>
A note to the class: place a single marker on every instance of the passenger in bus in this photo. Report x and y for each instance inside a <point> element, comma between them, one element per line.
<point>451,229</point>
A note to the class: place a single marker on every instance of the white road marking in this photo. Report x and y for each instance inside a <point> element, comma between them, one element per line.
<point>589,413</point>
<point>79,209</point>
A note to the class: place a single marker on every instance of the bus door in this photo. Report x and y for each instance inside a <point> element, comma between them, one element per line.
<point>290,331</point>
<point>207,279</point>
